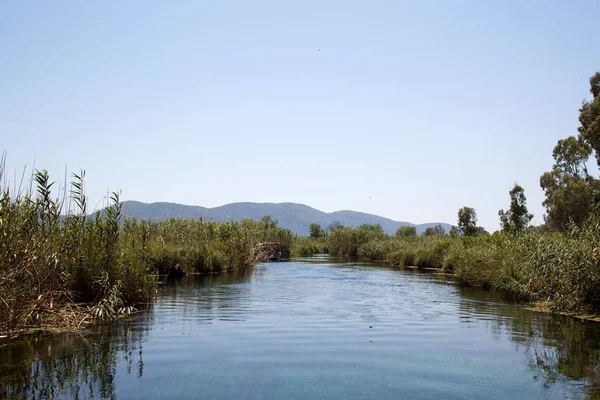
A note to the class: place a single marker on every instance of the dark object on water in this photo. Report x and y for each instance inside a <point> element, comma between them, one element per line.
<point>275,256</point>
<point>269,251</point>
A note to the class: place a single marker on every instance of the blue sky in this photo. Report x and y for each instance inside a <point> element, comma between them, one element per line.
<point>408,110</point>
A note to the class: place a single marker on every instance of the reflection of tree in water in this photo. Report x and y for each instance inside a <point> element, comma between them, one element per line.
<point>70,365</point>
<point>558,348</point>
<point>568,349</point>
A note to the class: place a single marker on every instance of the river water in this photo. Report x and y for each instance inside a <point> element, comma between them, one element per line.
<point>314,328</point>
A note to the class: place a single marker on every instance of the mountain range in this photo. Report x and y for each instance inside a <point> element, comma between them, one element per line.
<point>293,216</point>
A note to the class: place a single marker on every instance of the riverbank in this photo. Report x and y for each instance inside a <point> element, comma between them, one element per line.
<point>560,269</point>
<point>62,268</point>
<point>55,258</point>
<point>545,307</point>
<point>320,320</point>
<point>549,308</point>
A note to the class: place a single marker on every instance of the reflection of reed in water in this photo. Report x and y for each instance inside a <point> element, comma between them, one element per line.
<point>569,349</point>
<point>204,298</point>
<point>70,365</point>
<point>557,348</point>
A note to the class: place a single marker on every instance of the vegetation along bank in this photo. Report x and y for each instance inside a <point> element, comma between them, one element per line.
<point>60,267</point>
<point>557,263</point>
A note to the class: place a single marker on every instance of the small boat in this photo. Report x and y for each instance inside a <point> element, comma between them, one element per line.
<point>275,255</point>
<point>270,251</point>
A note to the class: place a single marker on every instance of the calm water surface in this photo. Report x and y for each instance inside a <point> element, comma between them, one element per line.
<point>314,328</point>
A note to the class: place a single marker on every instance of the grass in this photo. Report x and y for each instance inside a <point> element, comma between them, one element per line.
<point>60,267</point>
<point>305,246</point>
<point>53,256</point>
<point>49,259</point>
<point>560,269</point>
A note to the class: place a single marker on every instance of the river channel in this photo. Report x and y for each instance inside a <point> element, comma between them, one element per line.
<point>314,328</point>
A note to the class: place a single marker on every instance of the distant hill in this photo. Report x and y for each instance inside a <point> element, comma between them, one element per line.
<point>296,217</point>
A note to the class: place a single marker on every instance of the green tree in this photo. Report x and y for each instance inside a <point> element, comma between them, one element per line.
<point>467,221</point>
<point>453,232</point>
<point>568,198</point>
<point>335,225</point>
<point>347,241</point>
<point>517,217</point>
<point>571,155</point>
<point>437,230</point>
<point>589,117</point>
<point>316,231</point>
<point>267,227</point>
<point>268,223</point>
<point>405,231</point>
<point>372,229</point>
<point>572,194</point>
<point>480,231</point>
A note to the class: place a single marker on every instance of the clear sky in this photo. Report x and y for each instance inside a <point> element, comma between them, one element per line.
<point>409,110</point>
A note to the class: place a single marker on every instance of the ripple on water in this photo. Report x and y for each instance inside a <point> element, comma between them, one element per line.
<point>316,328</point>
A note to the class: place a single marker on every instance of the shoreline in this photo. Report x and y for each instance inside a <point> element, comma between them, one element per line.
<point>83,312</point>
<point>531,305</point>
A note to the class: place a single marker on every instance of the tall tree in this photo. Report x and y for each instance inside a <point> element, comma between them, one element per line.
<point>589,117</point>
<point>467,221</point>
<point>572,194</point>
<point>316,231</point>
<point>335,225</point>
<point>453,232</point>
<point>439,230</point>
<point>517,217</point>
<point>429,232</point>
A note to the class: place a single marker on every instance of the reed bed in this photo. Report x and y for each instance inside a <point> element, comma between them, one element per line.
<point>60,267</point>
<point>561,269</point>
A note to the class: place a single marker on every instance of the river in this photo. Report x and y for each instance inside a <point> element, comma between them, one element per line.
<point>314,328</point>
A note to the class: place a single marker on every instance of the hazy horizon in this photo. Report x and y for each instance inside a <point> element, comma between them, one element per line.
<point>403,110</point>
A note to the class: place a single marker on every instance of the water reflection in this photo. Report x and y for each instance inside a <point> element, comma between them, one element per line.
<point>71,365</point>
<point>555,347</point>
<point>252,319</point>
<point>205,298</point>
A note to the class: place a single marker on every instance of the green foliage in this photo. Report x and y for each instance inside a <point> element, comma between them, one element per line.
<point>517,218</point>
<point>52,254</point>
<point>347,241</point>
<point>48,260</point>
<point>437,230</point>
<point>561,268</point>
<point>480,231</point>
<point>569,200</point>
<point>406,231</point>
<point>370,243</point>
<point>589,117</point>
<point>531,264</point>
<point>316,231</point>
<point>467,221</point>
<point>572,194</point>
<point>334,226</point>
<point>179,246</point>
<point>305,246</point>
